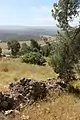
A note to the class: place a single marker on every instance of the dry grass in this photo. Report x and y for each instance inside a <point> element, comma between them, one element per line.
<point>13,69</point>
<point>64,107</point>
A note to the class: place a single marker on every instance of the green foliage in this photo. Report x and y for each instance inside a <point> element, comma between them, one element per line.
<point>47,41</point>
<point>35,47</point>
<point>67,50</point>
<point>65,11</point>
<point>45,50</point>
<point>25,49</point>
<point>65,54</point>
<point>33,58</point>
<point>14,46</point>
<point>77,68</point>
<point>0,52</point>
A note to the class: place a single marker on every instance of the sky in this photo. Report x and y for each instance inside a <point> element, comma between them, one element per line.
<point>26,12</point>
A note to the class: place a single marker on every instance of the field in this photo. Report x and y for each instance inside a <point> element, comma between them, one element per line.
<point>54,107</point>
<point>63,107</point>
<point>13,69</point>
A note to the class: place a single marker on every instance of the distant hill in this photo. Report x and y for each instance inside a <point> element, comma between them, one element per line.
<point>22,32</point>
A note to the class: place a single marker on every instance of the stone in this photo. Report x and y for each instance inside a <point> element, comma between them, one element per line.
<point>15,112</point>
<point>4,105</point>
<point>11,85</point>
<point>8,112</point>
<point>25,117</point>
<point>28,91</point>
<point>21,106</point>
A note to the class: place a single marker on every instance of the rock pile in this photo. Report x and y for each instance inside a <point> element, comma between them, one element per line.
<point>55,85</point>
<point>24,91</point>
<point>6,101</point>
<point>28,91</point>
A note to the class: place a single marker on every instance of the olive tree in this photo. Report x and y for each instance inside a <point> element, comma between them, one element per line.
<point>14,46</point>
<point>67,49</point>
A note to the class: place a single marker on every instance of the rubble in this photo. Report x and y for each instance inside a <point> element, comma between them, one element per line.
<point>6,101</point>
<point>27,91</point>
<point>55,85</point>
<point>8,112</point>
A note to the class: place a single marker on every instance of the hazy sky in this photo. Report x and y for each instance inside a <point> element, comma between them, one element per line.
<point>26,12</point>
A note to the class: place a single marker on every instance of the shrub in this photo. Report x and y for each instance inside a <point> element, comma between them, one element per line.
<point>34,44</point>
<point>14,46</point>
<point>77,67</point>
<point>0,52</point>
<point>45,50</point>
<point>25,49</point>
<point>34,58</point>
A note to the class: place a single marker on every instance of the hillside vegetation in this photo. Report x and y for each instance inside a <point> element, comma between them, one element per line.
<point>13,69</point>
<point>54,107</point>
<point>26,92</point>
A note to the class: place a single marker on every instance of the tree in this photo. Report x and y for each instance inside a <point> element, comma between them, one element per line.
<point>47,41</point>
<point>25,48</point>
<point>14,46</point>
<point>34,46</point>
<point>45,50</point>
<point>65,11</point>
<point>67,49</point>
<point>33,58</point>
<point>0,51</point>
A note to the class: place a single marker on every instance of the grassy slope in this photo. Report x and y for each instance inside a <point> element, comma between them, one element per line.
<point>64,107</point>
<point>13,69</point>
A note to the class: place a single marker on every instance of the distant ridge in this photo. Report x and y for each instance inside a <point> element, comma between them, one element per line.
<point>8,32</point>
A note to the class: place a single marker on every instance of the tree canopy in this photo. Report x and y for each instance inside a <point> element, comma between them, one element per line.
<point>14,45</point>
<point>67,49</point>
<point>65,11</point>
